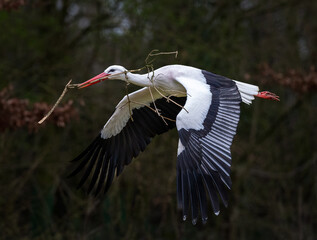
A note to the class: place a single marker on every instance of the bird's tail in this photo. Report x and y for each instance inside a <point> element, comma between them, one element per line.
<point>247,91</point>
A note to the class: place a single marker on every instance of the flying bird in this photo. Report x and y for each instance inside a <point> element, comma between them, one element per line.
<point>205,109</point>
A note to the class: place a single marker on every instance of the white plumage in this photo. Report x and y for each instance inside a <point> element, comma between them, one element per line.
<point>247,91</point>
<point>205,109</point>
<point>194,111</point>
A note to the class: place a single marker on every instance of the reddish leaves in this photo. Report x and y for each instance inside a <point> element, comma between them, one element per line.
<point>298,81</point>
<point>16,113</point>
<point>11,4</point>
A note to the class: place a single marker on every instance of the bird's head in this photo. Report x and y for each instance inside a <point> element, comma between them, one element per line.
<point>112,72</point>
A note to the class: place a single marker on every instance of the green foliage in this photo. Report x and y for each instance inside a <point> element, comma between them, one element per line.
<point>45,43</point>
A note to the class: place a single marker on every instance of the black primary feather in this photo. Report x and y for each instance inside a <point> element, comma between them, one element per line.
<point>107,157</point>
<point>206,158</point>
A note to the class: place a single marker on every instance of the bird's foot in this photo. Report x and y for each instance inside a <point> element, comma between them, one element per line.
<point>268,95</point>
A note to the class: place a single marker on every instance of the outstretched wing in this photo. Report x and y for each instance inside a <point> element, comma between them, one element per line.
<point>206,127</point>
<point>125,135</point>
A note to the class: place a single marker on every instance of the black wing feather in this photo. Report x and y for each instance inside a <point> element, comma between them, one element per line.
<point>206,158</point>
<point>90,166</point>
<point>97,170</point>
<point>103,173</point>
<point>109,156</point>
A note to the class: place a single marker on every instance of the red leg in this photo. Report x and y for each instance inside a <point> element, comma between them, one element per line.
<point>268,95</point>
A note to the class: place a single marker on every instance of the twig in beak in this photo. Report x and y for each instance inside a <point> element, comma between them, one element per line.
<point>68,86</point>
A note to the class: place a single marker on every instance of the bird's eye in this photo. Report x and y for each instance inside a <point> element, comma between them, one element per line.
<point>111,70</point>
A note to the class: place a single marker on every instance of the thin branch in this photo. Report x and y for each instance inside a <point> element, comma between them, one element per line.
<point>150,69</point>
<point>68,86</point>
<point>145,105</point>
<point>169,99</point>
<point>156,109</point>
<point>156,52</point>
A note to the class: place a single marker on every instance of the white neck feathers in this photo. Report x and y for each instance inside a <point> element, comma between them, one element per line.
<point>141,80</point>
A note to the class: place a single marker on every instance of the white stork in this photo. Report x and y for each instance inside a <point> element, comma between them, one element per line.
<point>205,109</point>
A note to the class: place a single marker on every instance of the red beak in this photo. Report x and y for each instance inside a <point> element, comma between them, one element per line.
<point>101,77</point>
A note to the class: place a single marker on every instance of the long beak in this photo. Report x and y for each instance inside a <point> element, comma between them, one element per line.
<point>100,77</point>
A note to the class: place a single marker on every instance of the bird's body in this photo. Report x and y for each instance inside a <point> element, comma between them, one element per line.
<point>163,77</point>
<point>205,109</point>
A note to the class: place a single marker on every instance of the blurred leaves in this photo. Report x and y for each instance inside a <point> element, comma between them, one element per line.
<point>45,43</point>
<point>16,113</point>
<point>11,4</point>
<point>295,80</point>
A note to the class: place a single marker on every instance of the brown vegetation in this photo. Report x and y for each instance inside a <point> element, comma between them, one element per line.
<point>274,155</point>
<point>11,4</point>
<point>297,80</point>
<point>16,113</point>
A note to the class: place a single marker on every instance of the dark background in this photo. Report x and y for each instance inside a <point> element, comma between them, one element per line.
<point>45,43</point>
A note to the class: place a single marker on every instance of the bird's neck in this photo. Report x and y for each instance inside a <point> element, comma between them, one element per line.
<point>141,80</point>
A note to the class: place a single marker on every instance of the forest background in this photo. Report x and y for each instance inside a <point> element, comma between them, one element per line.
<point>45,43</point>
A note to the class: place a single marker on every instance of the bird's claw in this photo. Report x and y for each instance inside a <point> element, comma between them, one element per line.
<point>268,95</point>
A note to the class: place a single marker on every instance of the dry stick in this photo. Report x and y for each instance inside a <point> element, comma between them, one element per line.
<point>148,66</point>
<point>145,105</point>
<point>136,70</point>
<point>157,111</point>
<point>127,83</point>
<point>151,54</point>
<point>68,85</point>
<point>169,99</point>
<point>174,94</point>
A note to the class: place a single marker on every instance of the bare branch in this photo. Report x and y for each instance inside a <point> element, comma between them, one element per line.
<point>68,86</point>
<point>150,69</point>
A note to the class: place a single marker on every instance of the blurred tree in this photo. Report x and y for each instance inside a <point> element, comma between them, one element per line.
<point>45,43</point>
